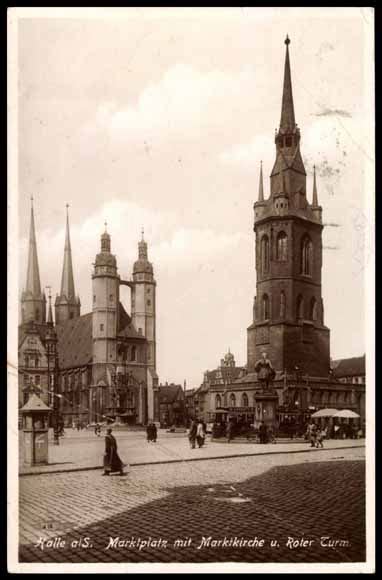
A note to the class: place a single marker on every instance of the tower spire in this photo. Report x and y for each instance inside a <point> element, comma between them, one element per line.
<point>287,109</point>
<point>50,315</point>
<point>315,196</point>
<point>261,185</point>
<point>33,274</point>
<point>67,279</point>
<point>67,305</point>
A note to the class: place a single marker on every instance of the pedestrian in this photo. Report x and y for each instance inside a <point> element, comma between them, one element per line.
<point>228,431</point>
<point>192,434</point>
<point>111,459</point>
<point>320,435</point>
<point>148,432</point>
<point>271,435</point>
<point>154,432</point>
<point>263,432</point>
<point>200,434</point>
<point>312,431</point>
<point>97,429</point>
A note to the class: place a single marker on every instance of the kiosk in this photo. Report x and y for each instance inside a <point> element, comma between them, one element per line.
<point>35,428</point>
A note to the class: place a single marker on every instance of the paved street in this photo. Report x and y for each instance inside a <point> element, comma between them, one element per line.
<point>85,450</point>
<point>290,499</point>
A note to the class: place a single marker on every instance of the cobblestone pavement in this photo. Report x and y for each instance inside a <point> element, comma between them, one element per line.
<point>84,450</point>
<point>274,497</point>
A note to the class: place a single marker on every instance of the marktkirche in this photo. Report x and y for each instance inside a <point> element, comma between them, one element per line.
<point>102,365</point>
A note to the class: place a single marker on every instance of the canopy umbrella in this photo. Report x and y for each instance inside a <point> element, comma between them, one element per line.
<point>346,414</point>
<point>324,413</point>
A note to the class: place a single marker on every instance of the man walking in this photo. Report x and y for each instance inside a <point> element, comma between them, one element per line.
<point>111,459</point>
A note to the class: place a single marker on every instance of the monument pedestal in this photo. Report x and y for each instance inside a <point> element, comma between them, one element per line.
<point>266,403</point>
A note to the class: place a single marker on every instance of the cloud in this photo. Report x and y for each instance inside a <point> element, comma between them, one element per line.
<point>185,100</point>
<point>337,112</point>
<point>248,155</point>
<point>171,246</point>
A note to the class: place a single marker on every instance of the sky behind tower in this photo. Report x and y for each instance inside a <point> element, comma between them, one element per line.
<point>159,119</point>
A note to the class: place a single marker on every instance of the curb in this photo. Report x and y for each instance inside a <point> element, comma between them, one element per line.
<point>167,461</point>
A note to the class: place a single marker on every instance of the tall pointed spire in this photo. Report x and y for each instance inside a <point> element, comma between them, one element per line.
<point>67,279</point>
<point>287,108</point>
<point>67,305</point>
<point>261,185</point>
<point>142,247</point>
<point>33,274</point>
<point>315,196</point>
<point>50,315</point>
<point>33,301</point>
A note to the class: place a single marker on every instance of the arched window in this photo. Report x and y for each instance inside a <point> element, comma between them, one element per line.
<point>313,309</point>
<point>264,253</point>
<point>133,355</point>
<point>282,304</point>
<point>218,402</point>
<point>232,400</point>
<point>300,307</point>
<point>306,256</point>
<point>265,307</point>
<point>282,247</point>
<point>244,400</point>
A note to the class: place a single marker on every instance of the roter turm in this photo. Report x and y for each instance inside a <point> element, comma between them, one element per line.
<point>288,313</point>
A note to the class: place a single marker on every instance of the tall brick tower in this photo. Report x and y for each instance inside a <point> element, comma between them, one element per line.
<point>288,312</point>
<point>105,308</point>
<point>143,303</point>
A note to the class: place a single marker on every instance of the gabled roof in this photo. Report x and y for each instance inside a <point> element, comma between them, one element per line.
<point>31,328</point>
<point>75,342</point>
<point>349,367</point>
<point>169,393</point>
<point>228,373</point>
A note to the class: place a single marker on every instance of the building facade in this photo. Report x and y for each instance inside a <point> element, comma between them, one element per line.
<point>288,309</point>
<point>106,359</point>
<point>171,405</point>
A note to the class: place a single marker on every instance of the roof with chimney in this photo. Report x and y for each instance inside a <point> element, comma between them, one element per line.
<point>349,367</point>
<point>170,393</point>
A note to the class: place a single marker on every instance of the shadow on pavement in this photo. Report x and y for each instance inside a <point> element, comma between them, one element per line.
<point>286,504</point>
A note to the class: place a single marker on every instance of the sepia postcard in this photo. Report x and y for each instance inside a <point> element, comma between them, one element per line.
<point>191,290</point>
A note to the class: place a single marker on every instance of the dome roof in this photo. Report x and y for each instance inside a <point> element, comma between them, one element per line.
<point>105,259</point>
<point>142,267</point>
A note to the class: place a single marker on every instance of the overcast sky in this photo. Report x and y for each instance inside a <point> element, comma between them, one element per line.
<point>159,119</point>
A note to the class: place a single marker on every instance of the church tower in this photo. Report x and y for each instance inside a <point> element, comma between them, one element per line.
<point>67,305</point>
<point>288,316</point>
<point>33,301</point>
<point>143,301</point>
<point>105,305</point>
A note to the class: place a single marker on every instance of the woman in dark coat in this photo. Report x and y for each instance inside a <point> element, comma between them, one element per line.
<point>192,434</point>
<point>111,459</point>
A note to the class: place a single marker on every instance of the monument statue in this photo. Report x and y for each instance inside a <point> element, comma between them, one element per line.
<point>265,371</point>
